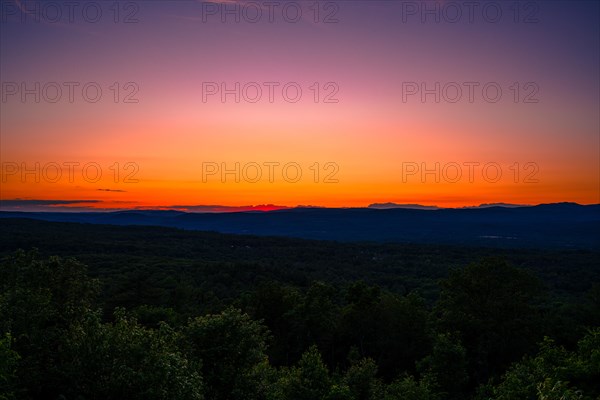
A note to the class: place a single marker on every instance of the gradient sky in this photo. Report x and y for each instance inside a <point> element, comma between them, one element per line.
<point>366,145</point>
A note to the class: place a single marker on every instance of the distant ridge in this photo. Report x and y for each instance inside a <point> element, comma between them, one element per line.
<point>385,206</point>
<point>566,225</point>
<point>507,205</point>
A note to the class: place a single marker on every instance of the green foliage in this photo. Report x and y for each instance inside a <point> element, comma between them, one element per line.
<point>230,345</point>
<point>402,335</point>
<point>388,328</point>
<point>407,388</point>
<point>312,319</point>
<point>8,368</point>
<point>339,392</point>
<point>361,379</point>
<point>317,315</point>
<point>123,360</point>
<point>492,305</point>
<point>521,379</point>
<point>555,372</point>
<point>201,272</point>
<point>549,390</point>
<point>309,380</point>
<point>342,324</point>
<point>153,315</point>
<point>41,302</point>
<point>445,368</point>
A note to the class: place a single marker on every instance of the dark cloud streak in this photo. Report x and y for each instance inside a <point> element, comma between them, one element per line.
<point>36,202</point>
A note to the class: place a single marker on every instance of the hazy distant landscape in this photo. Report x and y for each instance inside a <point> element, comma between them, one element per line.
<point>563,225</point>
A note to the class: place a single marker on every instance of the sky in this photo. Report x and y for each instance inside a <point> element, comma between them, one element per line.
<point>234,105</point>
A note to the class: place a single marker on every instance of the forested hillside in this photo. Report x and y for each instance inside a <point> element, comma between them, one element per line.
<point>111,312</point>
<point>545,226</point>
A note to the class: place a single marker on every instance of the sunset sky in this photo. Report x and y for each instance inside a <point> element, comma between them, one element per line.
<point>161,133</point>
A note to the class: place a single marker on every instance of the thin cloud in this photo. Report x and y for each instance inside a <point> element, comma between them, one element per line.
<point>112,190</point>
<point>48,205</point>
<point>37,202</point>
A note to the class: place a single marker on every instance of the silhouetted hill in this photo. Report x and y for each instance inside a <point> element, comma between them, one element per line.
<point>384,206</point>
<point>547,225</point>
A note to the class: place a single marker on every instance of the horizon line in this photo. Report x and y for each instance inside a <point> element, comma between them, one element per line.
<point>45,206</point>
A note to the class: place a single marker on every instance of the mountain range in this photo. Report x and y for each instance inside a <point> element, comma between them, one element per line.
<point>565,225</point>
